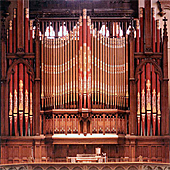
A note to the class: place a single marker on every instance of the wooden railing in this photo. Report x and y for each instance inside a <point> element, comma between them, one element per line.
<point>60,121</point>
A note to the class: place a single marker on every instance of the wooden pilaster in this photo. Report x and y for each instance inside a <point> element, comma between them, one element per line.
<point>133,98</point>
<point>37,150</point>
<point>37,84</point>
<point>148,35</point>
<point>20,25</point>
<point>4,84</point>
<point>164,86</point>
<point>133,150</point>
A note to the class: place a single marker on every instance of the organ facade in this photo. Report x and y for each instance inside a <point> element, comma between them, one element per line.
<point>75,81</point>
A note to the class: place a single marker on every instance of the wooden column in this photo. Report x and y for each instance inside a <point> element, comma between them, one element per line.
<point>26,29</point>
<point>148,34</point>
<point>4,84</point>
<point>31,40</point>
<point>164,86</point>
<point>132,87</point>
<point>141,30</point>
<point>37,84</point>
<point>15,30</point>
<point>20,25</point>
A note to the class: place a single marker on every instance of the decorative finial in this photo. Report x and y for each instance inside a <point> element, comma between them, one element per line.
<point>165,26</point>
<point>31,24</point>
<point>137,24</point>
<point>153,12</point>
<point>80,21</point>
<point>26,12</point>
<point>10,25</point>
<point>84,13</point>
<point>15,12</point>
<point>88,20</point>
<point>141,12</point>
<point>157,24</point>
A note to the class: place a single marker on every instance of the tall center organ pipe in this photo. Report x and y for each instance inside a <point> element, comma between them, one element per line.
<point>84,58</point>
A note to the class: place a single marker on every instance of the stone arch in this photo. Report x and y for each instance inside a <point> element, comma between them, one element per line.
<point>106,168</point>
<point>148,60</point>
<point>24,62</point>
<point>51,168</point>
<point>77,168</point>
<point>64,168</point>
<point>159,168</point>
<point>148,168</point>
<point>132,168</point>
<point>38,168</point>
<point>22,168</point>
<point>119,168</point>
<point>12,168</point>
<point>93,168</point>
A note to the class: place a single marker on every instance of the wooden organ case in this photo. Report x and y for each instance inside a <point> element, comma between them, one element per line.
<point>73,84</point>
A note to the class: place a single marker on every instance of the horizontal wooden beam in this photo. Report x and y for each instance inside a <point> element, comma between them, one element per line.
<point>23,55</point>
<point>148,55</point>
<point>75,111</point>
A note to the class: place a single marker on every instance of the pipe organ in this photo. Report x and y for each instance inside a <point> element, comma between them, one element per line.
<point>84,73</point>
<point>148,81</point>
<point>82,80</point>
<point>84,66</point>
<point>98,71</point>
<point>20,83</point>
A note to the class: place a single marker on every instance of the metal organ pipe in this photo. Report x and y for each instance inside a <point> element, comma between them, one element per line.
<point>153,77</point>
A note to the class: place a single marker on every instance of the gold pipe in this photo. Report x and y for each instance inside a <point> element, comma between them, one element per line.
<point>98,67</point>
<point>50,72</point>
<point>115,69</point>
<point>77,66</point>
<point>68,71</point>
<point>74,70</point>
<point>63,71</point>
<point>71,68</point>
<point>108,61</point>
<point>58,73</point>
<point>126,69</point>
<point>95,66</point>
<point>45,72</point>
<point>92,66</point>
<point>106,83</point>
<point>103,82</point>
<point>60,66</point>
<point>100,37</point>
<point>42,71</point>
<point>54,73</point>
<point>110,73</point>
